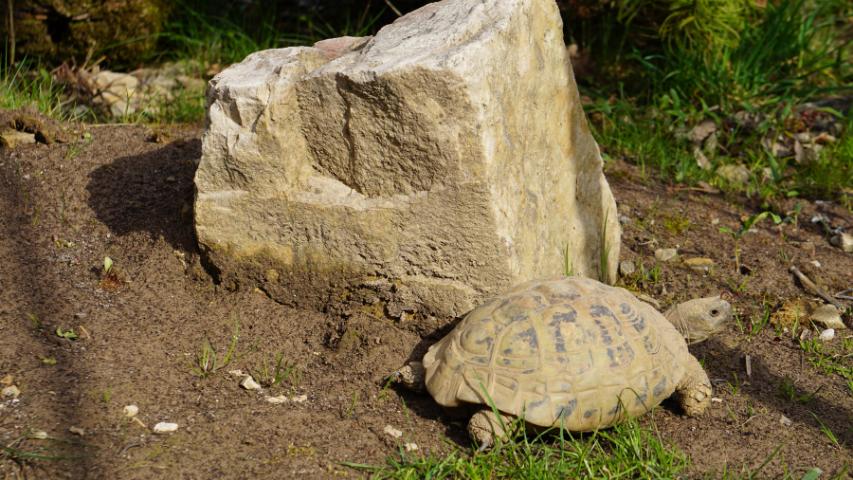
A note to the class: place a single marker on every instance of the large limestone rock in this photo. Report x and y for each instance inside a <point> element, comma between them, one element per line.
<point>411,174</point>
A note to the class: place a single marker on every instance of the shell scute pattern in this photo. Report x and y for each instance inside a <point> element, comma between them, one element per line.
<point>563,350</point>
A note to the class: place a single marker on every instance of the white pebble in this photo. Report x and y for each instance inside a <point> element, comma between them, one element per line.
<point>277,400</point>
<point>39,435</point>
<point>410,447</point>
<point>11,391</point>
<point>77,431</point>
<point>249,383</point>
<point>392,431</point>
<point>716,399</point>
<point>827,334</point>
<point>299,399</point>
<point>786,421</point>
<point>165,427</point>
<point>131,410</point>
<point>236,373</point>
<point>665,254</point>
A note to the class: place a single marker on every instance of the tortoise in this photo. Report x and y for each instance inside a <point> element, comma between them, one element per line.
<point>569,352</point>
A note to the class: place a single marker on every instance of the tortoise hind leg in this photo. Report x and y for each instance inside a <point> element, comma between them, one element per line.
<point>693,393</point>
<point>485,428</point>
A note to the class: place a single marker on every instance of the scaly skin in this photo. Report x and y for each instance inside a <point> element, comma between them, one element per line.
<point>694,391</point>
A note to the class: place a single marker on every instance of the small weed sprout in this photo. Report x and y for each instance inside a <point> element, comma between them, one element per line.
<point>69,334</point>
<point>35,322</point>
<point>350,410</point>
<point>13,451</point>
<point>207,361</point>
<point>745,227</point>
<point>734,385</point>
<point>827,432</point>
<point>568,268</point>
<point>788,391</point>
<point>280,372</point>
<point>757,325</point>
<point>111,277</point>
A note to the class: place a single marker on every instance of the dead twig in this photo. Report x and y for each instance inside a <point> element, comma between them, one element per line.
<point>812,287</point>
<point>10,4</point>
<point>393,8</point>
<point>809,285</point>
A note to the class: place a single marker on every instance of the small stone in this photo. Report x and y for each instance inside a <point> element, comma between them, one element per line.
<point>815,263</point>
<point>844,241</point>
<point>249,383</point>
<point>12,138</point>
<point>703,130</point>
<point>77,431</point>
<point>824,138</point>
<point>810,153</point>
<point>780,150</point>
<point>624,219</point>
<point>785,421</point>
<point>701,159</point>
<point>389,430</point>
<point>804,137</point>
<point>7,380</point>
<point>11,392</point>
<point>626,267</point>
<point>665,254</point>
<point>827,316</point>
<point>165,427</point>
<point>277,400</point>
<point>236,373</point>
<point>715,221</point>
<point>738,174</point>
<point>827,334</point>
<point>410,447</point>
<point>716,400</point>
<point>299,399</point>
<point>39,435</point>
<point>700,264</point>
<point>130,411</point>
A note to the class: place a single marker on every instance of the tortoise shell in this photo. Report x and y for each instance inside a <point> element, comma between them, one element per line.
<point>570,351</point>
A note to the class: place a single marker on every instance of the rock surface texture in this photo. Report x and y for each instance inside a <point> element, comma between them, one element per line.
<point>411,174</point>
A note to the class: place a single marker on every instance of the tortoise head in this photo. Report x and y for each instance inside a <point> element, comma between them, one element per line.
<point>698,319</point>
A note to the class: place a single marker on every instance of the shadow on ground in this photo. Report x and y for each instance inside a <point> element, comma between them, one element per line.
<point>151,192</point>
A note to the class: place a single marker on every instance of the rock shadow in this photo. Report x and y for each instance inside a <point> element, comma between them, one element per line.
<point>151,192</point>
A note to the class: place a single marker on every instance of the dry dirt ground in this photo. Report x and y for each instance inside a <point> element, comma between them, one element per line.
<point>126,193</point>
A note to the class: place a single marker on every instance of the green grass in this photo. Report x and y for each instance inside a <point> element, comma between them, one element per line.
<point>22,451</point>
<point>278,372</point>
<point>831,359</point>
<point>627,451</point>
<point>208,361</point>
<point>712,59</point>
<point>25,85</point>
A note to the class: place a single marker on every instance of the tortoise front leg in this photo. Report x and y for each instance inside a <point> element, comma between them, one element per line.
<point>485,428</point>
<point>694,391</point>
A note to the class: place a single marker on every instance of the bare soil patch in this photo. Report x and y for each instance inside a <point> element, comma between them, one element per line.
<point>126,193</point>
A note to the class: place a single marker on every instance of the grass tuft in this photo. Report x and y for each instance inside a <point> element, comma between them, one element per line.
<point>625,451</point>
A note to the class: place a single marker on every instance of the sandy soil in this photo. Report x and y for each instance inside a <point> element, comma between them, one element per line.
<point>126,193</point>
